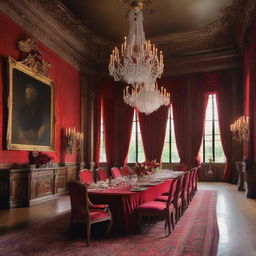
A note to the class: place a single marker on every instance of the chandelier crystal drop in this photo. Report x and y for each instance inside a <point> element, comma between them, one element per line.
<point>146,99</point>
<point>139,60</point>
<point>139,64</point>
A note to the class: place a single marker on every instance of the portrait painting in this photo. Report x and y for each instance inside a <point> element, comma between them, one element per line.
<point>31,115</point>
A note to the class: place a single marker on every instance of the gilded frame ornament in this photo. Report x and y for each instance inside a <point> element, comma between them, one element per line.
<point>31,109</point>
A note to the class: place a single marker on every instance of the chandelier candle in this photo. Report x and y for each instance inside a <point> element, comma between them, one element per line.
<point>139,65</point>
<point>139,61</point>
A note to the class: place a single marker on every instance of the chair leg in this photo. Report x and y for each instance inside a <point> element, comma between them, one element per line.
<point>172,220</point>
<point>167,224</point>
<point>109,226</point>
<point>88,233</point>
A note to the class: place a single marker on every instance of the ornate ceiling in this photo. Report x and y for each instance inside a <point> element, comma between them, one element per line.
<point>84,32</point>
<point>161,17</point>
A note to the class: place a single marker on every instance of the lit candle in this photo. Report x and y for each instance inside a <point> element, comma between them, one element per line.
<point>124,42</point>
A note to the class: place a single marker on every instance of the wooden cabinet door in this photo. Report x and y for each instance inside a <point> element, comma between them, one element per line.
<point>19,189</point>
<point>44,186</point>
<point>60,181</point>
<point>44,183</point>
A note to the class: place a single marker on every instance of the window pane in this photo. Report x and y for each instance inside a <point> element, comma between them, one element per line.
<point>212,112</point>
<point>208,151</point>
<point>166,153</point>
<point>132,149</point>
<point>170,142</point>
<point>175,155</point>
<point>136,146</point>
<point>102,142</point>
<point>208,127</point>
<point>141,155</point>
<point>219,154</point>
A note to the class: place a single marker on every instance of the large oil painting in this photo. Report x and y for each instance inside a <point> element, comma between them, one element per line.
<point>31,115</point>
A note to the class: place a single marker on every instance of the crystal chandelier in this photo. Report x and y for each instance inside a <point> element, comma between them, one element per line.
<point>146,99</point>
<point>139,64</point>
<point>139,61</point>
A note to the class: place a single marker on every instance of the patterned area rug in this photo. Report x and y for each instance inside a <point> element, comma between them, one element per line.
<point>196,233</point>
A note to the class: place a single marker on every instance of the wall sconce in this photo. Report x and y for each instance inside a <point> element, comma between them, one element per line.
<point>74,140</point>
<point>240,129</point>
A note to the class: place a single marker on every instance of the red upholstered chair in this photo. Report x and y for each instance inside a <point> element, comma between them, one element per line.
<point>102,174</point>
<point>181,203</point>
<point>178,199</point>
<point>181,168</point>
<point>125,170</point>
<point>161,209</point>
<point>184,195</point>
<point>195,180</point>
<point>83,211</point>
<point>191,183</point>
<point>86,176</point>
<point>115,172</point>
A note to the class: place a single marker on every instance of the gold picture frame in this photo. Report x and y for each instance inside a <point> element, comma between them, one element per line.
<point>31,109</point>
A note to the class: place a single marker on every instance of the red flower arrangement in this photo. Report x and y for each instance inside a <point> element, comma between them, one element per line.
<point>39,158</point>
<point>146,168</point>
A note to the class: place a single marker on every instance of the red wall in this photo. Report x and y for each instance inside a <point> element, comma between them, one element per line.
<point>67,81</point>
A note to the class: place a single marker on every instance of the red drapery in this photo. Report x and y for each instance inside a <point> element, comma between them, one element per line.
<point>179,100</point>
<point>109,130</point>
<point>124,124</point>
<point>199,99</point>
<point>250,93</point>
<point>117,118</point>
<point>153,129</point>
<point>97,133</point>
<point>224,105</point>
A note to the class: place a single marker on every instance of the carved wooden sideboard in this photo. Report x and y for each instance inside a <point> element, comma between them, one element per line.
<point>23,187</point>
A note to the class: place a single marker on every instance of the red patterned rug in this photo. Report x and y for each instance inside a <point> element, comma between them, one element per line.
<point>195,234</point>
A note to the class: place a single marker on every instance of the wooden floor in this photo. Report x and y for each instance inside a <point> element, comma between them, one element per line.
<point>236,218</point>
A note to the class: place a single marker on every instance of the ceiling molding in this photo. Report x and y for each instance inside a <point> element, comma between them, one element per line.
<point>203,63</point>
<point>52,24</point>
<point>245,13</point>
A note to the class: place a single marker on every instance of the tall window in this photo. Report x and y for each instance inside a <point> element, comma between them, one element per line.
<point>136,151</point>
<point>170,152</point>
<point>102,141</point>
<point>211,146</point>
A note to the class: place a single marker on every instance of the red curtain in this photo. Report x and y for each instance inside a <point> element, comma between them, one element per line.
<point>153,129</point>
<point>108,113</point>
<point>109,130</point>
<point>250,92</point>
<point>179,100</point>
<point>97,133</point>
<point>225,104</point>
<point>117,118</point>
<point>199,99</point>
<point>124,116</point>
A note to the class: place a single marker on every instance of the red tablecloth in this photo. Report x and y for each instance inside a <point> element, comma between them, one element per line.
<point>123,204</point>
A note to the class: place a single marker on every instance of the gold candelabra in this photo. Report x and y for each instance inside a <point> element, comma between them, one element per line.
<point>74,140</point>
<point>240,129</point>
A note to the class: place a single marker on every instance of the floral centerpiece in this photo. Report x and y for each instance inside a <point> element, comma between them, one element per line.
<point>39,159</point>
<point>146,168</point>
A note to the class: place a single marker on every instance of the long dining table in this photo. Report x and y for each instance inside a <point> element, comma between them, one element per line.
<point>123,203</point>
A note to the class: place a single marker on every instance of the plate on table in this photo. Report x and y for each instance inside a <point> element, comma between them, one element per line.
<point>137,189</point>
